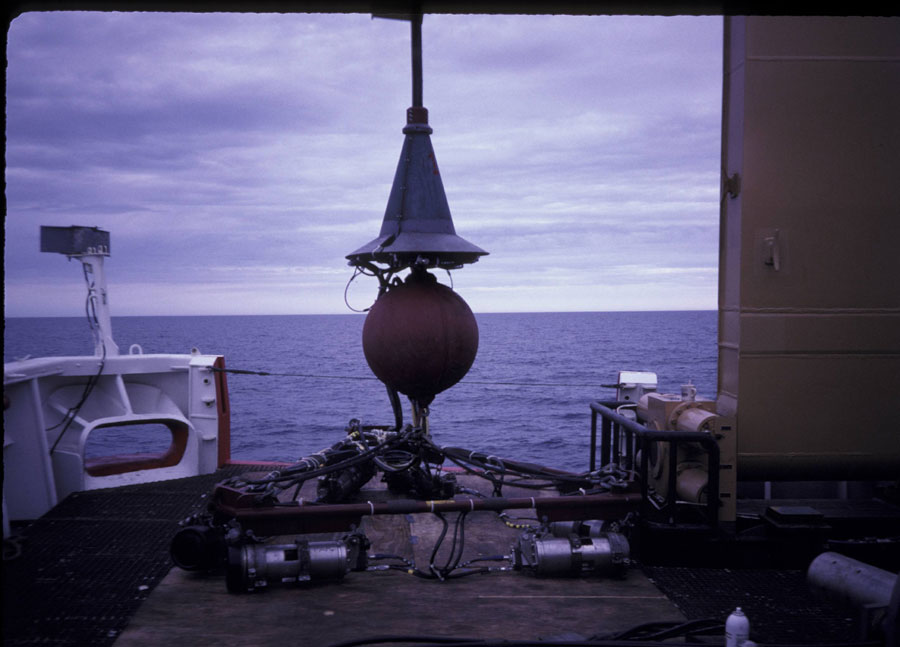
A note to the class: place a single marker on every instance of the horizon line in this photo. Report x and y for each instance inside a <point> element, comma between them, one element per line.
<point>341,314</point>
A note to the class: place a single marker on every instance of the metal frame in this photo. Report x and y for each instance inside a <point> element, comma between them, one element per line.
<point>614,424</point>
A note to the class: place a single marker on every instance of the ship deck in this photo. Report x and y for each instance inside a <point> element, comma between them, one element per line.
<point>96,570</point>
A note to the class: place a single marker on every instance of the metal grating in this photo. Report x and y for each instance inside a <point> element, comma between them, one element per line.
<point>778,604</point>
<point>86,566</point>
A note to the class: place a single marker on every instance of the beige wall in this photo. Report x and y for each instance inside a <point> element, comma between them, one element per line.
<point>809,353</point>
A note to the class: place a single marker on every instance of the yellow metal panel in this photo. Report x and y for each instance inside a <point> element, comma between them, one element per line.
<point>809,342</point>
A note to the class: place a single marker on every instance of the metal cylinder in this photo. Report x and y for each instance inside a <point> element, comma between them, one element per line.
<point>564,528</point>
<point>590,528</point>
<point>550,556</point>
<point>695,419</point>
<point>607,554</point>
<point>554,556</point>
<point>691,484</point>
<point>341,485</point>
<point>198,548</point>
<point>327,560</point>
<point>257,565</point>
<point>850,581</point>
<point>593,528</point>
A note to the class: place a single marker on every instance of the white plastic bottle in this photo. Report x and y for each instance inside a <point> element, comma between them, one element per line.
<point>737,629</point>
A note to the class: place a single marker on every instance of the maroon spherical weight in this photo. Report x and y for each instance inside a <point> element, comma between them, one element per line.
<point>420,337</point>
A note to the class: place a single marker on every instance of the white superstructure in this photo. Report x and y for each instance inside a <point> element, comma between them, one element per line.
<point>52,405</point>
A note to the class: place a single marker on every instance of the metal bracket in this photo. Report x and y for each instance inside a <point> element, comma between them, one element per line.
<point>731,184</point>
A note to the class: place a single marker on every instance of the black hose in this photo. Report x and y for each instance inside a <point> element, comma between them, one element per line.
<point>522,470</point>
<point>492,558</point>
<point>458,529</point>
<point>665,630</point>
<point>466,573</point>
<point>379,556</point>
<point>72,413</point>
<point>394,397</point>
<point>437,545</point>
<point>405,639</point>
<point>503,642</point>
<point>297,474</point>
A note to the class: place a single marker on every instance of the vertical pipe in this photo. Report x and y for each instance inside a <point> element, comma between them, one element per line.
<point>672,494</point>
<point>615,447</point>
<point>712,493</point>
<point>98,304</point>
<point>223,410</point>
<point>416,30</point>
<point>593,461</point>
<point>645,478</point>
<point>629,460</point>
<point>605,441</point>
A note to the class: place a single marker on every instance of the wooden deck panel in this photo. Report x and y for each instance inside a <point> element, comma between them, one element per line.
<point>189,608</point>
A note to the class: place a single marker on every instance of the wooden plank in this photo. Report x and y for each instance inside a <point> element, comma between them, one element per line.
<point>193,609</point>
<point>189,609</point>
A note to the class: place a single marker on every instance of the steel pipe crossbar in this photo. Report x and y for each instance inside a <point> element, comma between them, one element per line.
<point>289,518</point>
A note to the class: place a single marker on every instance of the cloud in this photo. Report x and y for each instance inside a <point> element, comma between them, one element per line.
<point>262,147</point>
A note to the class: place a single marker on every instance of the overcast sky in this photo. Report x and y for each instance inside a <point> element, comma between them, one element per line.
<point>237,158</point>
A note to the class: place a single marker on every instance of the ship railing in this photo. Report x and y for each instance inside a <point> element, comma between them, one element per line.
<point>624,442</point>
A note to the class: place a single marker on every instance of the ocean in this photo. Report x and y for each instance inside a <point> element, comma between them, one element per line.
<point>504,405</point>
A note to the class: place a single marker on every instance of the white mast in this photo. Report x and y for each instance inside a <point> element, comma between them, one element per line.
<point>98,304</point>
<point>89,245</point>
